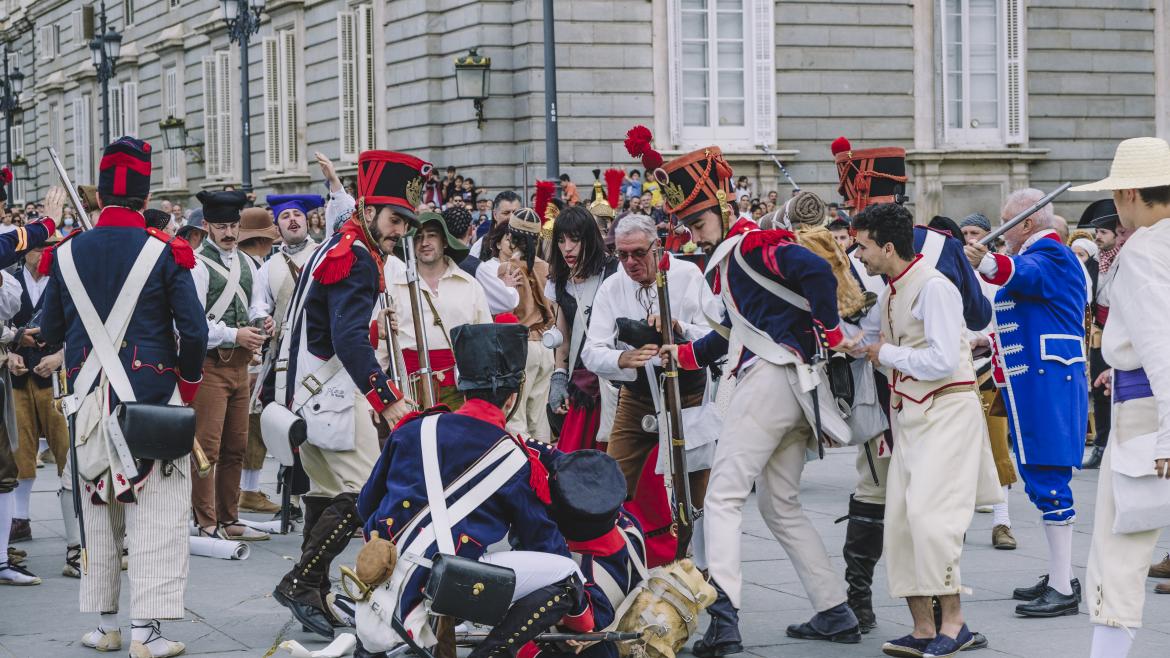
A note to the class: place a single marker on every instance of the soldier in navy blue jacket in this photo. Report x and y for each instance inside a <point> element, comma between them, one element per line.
<point>769,423</point>
<point>162,356</point>
<point>327,371</point>
<point>473,446</point>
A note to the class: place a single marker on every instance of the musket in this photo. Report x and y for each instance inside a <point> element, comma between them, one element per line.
<point>426,382</point>
<point>60,391</point>
<point>783,169</point>
<point>397,370</point>
<point>472,639</point>
<point>681,509</point>
<point>78,207</point>
<point>1007,226</point>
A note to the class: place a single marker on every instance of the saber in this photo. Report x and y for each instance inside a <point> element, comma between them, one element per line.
<point>1007,226</point>
<point>61,391</point>
<point>783,169</point>
<point>82,215</point>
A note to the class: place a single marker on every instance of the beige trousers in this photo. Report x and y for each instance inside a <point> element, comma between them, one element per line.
<point>1118,564</point>
<point>155,531</point>
<point>765,440</point>
<point>335,472</point>
<point>530,419</point>
<point>931,491</point>
<point>867,490</point>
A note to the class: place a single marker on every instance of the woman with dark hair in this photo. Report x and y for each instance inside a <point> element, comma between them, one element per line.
<point>579,263</point>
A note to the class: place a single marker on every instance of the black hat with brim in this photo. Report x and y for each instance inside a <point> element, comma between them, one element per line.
<point>489,356</point>
<point>587,490</point>
<point>222,207</point>
<point>1100,214</point>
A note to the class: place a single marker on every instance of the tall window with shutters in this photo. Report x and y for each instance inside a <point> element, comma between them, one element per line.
<point>83,141</point>
<point>218,125</point>
<point>174,160</point>
<point>282,114</point>
<point>722,72</point>
<point>123,109</point>
<point>983,75</point>
<point>357,85</point>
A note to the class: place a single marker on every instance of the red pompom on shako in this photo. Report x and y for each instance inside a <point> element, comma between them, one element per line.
<point>841,145</point>
<point>638,141</point>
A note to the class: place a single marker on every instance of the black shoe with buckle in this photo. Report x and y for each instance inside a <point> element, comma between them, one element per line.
<point>1094,460</point>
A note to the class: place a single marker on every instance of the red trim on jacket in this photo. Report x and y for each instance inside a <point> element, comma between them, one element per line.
<point>119,217</point>
<point>581,622</point>
<point>1003,272</point>
<point>376,401</point>
<point>187,390</point>
<point>607,544</point>
<point>686,357</point>
<point>483,410</point>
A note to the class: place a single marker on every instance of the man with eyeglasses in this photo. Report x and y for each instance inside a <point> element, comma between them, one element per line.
<point>631,294</point>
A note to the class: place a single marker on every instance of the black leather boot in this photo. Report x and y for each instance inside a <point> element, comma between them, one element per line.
<point>722,637</point>
<point>531,616</point>
<point>863,549</point>
<point>301,589</point>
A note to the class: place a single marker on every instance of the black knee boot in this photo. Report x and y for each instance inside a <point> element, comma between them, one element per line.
<point>301,589</point>
<point>722,637</point>
<point>863,549</point>
<point>531,616</point>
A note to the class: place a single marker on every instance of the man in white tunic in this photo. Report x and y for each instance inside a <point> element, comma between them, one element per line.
<point>938,431</point>
<point>1134,345</point>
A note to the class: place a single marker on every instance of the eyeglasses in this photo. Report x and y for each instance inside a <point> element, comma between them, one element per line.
<point>635,255</point>
<point>221,226</point>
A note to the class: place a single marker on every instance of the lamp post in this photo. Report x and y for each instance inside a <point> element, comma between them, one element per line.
<point>473,80</point>
<point>104,48</point>
<point>10,88</point>
<point>243,20</point>
<point>552,154</point>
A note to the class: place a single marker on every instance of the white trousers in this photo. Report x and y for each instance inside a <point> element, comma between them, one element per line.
<point>1118,564</point>
<point>534,570</point>
<point>764,440</point>
<point>931,491</point>
<point>155,531</point>
<point>867,490</point>
<point>530,419</point>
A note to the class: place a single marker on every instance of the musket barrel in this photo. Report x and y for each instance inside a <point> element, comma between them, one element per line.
<point>1007,226</point>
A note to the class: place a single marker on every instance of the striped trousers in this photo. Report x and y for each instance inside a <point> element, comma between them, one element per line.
<point>155,531</point>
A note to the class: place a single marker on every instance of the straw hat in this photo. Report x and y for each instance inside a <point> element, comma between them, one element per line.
<point>1139,162</point>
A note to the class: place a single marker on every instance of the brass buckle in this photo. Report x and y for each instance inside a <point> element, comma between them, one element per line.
<point>316,385</point>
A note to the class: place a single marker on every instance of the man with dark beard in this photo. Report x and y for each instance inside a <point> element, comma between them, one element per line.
<point>327,369</point>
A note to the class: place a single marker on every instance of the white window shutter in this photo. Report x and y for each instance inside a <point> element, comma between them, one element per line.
<point>174,162</point>
<point>368,94</point>
<point>116,130</point>
<point>674,70</point>
<point>347,85</point>
<point>1016,97</point>
<point>130,108</point>
<point>272,139</point>
<point>210,117</point>
<point>82,151</point>
<point>289,98</point>
<point>764,72</point>
<point>224,99</point>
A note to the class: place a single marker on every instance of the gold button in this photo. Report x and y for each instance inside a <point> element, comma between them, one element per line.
<point>543,609</point>
<point>464,539</point>
<point>160,366</point>
<point>406,504</point>
<point>389,522</point>
<point>137,363</point>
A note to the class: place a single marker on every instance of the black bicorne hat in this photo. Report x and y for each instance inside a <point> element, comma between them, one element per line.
<point>489,356</point>
<point>1100,214</point>
<point>587,490</point>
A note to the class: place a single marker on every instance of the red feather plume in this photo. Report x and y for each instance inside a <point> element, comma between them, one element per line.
<point>6,175</point>
<point>840,145</point>
<point>545,191</point>
<point>638,146</point>
<point>613,186</point>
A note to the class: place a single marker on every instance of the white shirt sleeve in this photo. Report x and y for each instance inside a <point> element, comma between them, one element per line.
<point>598,352</point>
<point>500,298</point>
<point>9,297</point>
<point>702,303</point>
<point>940,308</point>
<point>218,333</point>
<point>262,297</point>
<point>338,209</point>
<point>988,267</point>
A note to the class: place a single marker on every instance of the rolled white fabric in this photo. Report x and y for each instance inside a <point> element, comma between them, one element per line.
<point>224,549</point>
<point>271,527</point>
<point>343,645</point>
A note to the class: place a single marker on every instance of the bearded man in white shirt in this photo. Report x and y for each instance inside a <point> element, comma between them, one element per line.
<point>1134,345</point>
<point>938,431</point>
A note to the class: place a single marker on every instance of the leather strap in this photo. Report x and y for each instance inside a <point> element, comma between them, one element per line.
<point>580,321</point>
<point>932,248</point>
<point>231,290</point>
<point>440,522</point>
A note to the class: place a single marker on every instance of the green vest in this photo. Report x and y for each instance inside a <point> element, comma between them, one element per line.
<point>236,315</point>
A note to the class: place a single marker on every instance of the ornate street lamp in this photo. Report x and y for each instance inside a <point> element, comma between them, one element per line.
<point>10,87</point>
<point>174,132</point>
<point>104,49</point>
<point>243,20</point>
<point>473,80</point>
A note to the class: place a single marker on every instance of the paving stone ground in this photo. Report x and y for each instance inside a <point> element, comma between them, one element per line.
<point>230,611</point>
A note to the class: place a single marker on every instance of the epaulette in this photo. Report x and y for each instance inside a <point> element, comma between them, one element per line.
<point>770,238</point>
<point>46,265</point>
<point>339,260</point>
<point>181,250</point>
